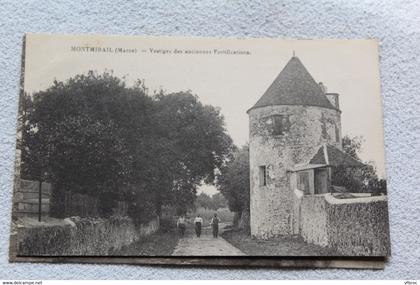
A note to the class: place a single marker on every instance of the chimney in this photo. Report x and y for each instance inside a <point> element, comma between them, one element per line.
<point>332,97</point>
<point>323,87</point>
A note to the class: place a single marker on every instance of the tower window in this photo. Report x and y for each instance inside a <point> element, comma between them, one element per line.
<point>324,130</point>
<point>337,134</point>
<point>281,124</point>
<point>263,175</point>
<point>324,127</point>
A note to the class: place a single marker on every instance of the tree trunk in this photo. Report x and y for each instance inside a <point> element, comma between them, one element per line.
<point>244,221</point>
<point>158,204</point>
<point>57,202</point>
<point>236,218</point>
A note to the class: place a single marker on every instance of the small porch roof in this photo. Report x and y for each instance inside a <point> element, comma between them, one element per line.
<point>327,156</point>
<point>332,156</point>
<point>307,167</point>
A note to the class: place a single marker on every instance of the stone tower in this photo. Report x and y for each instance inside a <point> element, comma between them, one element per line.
<point>287,126</point>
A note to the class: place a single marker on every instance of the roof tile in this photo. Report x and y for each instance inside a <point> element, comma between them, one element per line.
<point>294,86</point>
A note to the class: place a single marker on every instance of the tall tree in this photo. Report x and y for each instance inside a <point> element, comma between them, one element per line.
<point>77,137</point>
<point>203,200</point>
<point>192,143</point>
<point>233,183</point>
<point>218,201</point>
<point>94,135</point>
<point>352,146</point>
<point>360,180</point>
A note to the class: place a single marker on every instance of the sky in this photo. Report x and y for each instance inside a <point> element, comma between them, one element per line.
<point>225,72</point>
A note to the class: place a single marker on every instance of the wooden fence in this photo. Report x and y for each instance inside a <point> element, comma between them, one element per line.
<point>75,204</point>
<point>27,198</point>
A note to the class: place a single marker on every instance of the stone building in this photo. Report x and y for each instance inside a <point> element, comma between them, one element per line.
<point>295,139</point>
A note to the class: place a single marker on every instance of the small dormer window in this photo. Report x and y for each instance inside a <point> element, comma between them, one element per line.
<point>280,124</point>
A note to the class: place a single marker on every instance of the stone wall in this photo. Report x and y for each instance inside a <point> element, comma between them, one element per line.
<point>80,236</point>
<point>271,205</point>
<point>358,226</point>
<point>354,227</point>
<point>297,203</point>
<point>314,219</point>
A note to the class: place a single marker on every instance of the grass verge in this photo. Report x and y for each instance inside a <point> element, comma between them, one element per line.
<point>280,246</point>
<point>161,243</point>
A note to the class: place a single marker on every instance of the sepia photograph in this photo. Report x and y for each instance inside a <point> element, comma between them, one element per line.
<point>131,146</point>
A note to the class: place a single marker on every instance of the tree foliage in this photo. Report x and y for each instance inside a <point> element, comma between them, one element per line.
<point>364,179</point>
<point>233,180</point>
<point>193,143</point>
<point>216,201</point>
<point>219,201</point>
<point>94,135</point>
<point>204,201</point>
<point>352,146</point>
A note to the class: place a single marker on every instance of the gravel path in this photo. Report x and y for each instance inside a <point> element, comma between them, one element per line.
<point>206,245</point>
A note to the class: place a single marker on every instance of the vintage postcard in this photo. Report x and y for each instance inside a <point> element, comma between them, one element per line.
<point>217,151</point>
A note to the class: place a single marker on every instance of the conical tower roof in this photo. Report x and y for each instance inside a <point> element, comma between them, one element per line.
<point>294,86</point>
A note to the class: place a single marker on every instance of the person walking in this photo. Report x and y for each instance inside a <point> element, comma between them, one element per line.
<point>215,225</point>
<point>181,225</point>
<point>198,221</point>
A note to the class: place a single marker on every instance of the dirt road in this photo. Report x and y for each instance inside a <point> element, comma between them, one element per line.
<point>206,245</point>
